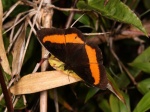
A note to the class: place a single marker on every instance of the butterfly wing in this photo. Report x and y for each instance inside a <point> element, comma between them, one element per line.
<point>85,59</point>
<point>54,41</point>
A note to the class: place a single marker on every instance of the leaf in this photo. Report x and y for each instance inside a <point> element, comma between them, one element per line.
<point>142,66</point>
<point>115,10</point>
<point>123,80</point>
<point>31,50</point>
<point>59,65</point>
<point>41,81</point>
<point>7,4</point>
<point>104,105</point>
<point>120,80</point>
<point>112,86</point>
<point>142,61</point>
<point>144,86</point>
<point>144,104</point>
<point>91,93</point>
<point>17,52</point>
<point>84,19</point>
<point>144,57</point>
<point>118,106</point>
<point>5,63</point>
<point>20,103</point>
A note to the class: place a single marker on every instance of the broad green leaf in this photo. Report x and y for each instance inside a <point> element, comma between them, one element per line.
<point>123,80</point>
<point>31,50</point>
<point>118,106</point>
<point>104,105</point>
<point>143,66</point>
<point>20,104</point>
<point>144,86</point>
<point>7,4</point>
<point>114,9</point>
<point>142,61</point>
<point>144,104</point>
<point>144,57</point>
<point>120,80</point>
<point>84,19</point>
<point>91,93</point>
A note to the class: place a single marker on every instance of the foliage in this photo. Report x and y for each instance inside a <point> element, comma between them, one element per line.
<point>125,48</point>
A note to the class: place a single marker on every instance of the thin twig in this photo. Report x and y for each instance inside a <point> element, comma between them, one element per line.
<point>95,34</point>
<point>56,100</point>
<point>31,25</point>
<point>77,20</point>
<point>5,91</point>
<point>18,20</point>
<point>15,24</point>
<point>8,86</point>
<point>15,37</point>
<point>67,9</point>
<point>71,15</point>
<point>16,100</point>
<point>126,70</point>
<point>40,63</point>
<point>29,36</point>
<point>29,3</point>
<point>54,7</point>
<point>46,22</point>
<point>11,9</point>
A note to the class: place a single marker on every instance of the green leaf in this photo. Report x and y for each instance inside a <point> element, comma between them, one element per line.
<point>115,10</point>
<point>7,4</point>
<point>120,80</point>
<point>142,61</point>
<point>104,105</point>
<point>144,57</point>
<point>20,104</point>
<point>144,86</point>
<point>84,19</point>
<point>31,49</point>
<point>91,93</point>
<point>113,87</point>
<point>117,106</point>
<point>144,104</point>
<point>142,66</point>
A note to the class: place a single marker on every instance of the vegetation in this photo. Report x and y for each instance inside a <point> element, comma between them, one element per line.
<point>121,28</point>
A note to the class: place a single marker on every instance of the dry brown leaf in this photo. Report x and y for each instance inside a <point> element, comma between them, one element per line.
<point>17,52</point>
<point>41,81</point>
<point>5,63</point>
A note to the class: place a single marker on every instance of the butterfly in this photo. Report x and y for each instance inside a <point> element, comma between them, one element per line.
<point>80,55</point>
